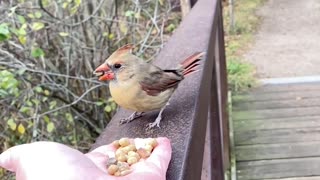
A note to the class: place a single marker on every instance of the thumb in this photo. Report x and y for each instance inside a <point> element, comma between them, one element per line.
<point>9,159</point>
<point>161,155</point>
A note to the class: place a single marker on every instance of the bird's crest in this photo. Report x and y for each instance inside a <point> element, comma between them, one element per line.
<point>125,49</point>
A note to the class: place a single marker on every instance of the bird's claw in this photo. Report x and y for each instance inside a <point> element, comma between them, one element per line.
<point>125,120</point>
<point>155,123</point>
<point>132,117</point>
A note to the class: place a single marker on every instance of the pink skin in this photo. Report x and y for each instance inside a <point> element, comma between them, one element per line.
<point>52,161</point>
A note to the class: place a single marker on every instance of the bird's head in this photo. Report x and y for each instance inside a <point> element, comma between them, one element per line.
<point>115,64</point>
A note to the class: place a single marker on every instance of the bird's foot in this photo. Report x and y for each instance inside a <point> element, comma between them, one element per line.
<point>132,117</point>
<point>155,123</point>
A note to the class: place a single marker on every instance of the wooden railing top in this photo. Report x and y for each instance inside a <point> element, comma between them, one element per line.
<point>185,119</point>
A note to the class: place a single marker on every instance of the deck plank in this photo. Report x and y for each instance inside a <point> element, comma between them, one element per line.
<point>277,104</point>
<point>299,178</point>
<point>277,132</point>
<point>268,88</point>
<point>279,168</point>
<point>276,113</point>
<point>276,96</point>
<point>277,151</point>
<point>279,123</point>
<point>270,136</point>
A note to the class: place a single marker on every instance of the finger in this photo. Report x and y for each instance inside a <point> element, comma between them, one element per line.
<point>9,159</point>
<point>106,150</point>
<point>99,159</point>
<point>161,154</point>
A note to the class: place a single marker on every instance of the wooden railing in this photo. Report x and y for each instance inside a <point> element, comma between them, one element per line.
<point>199,105</point>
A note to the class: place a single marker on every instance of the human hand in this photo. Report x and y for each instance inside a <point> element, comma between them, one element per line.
<point>52,161</point>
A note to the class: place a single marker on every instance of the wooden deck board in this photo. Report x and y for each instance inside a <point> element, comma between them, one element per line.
<point>284,88</point>
<point>278,168</point>
<point>278,104</point>
<point>281,123</point>
<point>278,151</point>
<point>277,96</point>
<point>270,136</point>
<point>299,178</point>
<point>276,113</point>
<point>277,132</point>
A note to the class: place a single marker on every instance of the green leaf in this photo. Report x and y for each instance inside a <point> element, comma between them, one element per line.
<point>36,26</point>
<point>29,103</point>
<point>74,9</point>
<point>30,15</point>
<point>35,101</point>
<point>37,52</point>
<point>52,104</point>
<point>46,119</point>
<point>137,15</point>
<point>21,71</point>
<point>4,32</point>
<point>38,14</point>
<point>21,129</point>
<point>25,109</point>
<point>77,2</point>
<point>105,34</point>
<point>108,109</point>
<point>45,3</point>
<point>65,5</point>
<point>46,92</point>
<point>50,127</point>
<point>12,10</point>
<point>38,89</point>
<point>99,103</point>
<point>63,34</point>
<point>3,37</point>
<point>22,32</point>
<point>21,19</point>
<point>123,27</point>
<point>111,36</point>
<point>22,39</point>
<point>12,125</point>
<point>69,117</point>
<point>24,26</point>
<point>129,13</point>
<point>171,27</point>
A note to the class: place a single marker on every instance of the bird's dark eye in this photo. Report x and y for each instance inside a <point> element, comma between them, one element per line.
<point>117,66</point>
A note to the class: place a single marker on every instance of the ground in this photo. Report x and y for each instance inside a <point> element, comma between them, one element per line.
<point>287,42</point>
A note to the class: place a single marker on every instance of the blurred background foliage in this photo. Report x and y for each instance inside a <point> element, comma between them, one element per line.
<point>48,51</point>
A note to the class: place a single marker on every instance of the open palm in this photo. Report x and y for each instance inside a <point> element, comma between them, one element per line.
<point>52,161</point>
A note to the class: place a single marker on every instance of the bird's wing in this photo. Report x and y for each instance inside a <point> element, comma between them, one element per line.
<point>160,80</point>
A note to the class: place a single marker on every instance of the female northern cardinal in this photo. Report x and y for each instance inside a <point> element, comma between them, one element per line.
<point>140,86</point>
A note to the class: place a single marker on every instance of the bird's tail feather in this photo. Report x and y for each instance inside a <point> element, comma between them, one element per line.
<point>190,64</point>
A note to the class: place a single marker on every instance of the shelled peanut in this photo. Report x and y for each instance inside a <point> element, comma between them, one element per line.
<point>127,154</point>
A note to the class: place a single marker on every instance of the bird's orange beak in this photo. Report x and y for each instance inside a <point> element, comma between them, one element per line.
<point>104,73</point>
